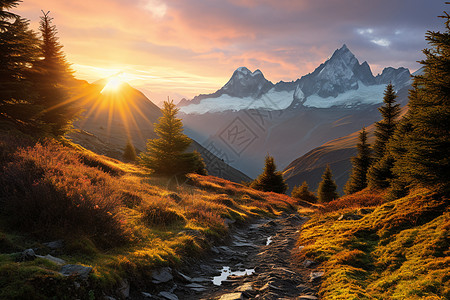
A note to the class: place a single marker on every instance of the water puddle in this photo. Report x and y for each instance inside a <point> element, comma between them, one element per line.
<point>226,271</point>
<point>269,240</point>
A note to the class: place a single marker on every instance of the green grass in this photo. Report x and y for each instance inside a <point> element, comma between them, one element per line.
<point>398,251</point>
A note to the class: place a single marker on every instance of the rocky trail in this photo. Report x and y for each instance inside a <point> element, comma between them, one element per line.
<point>257,263</point>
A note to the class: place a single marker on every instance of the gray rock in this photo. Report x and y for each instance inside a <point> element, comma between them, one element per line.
<point>28,255</point>
<point>199,279</point>
<point>185,277</point>
<point>109,298</point>
<point>162,275</point>
<point>54,245</point>
<point>124,288</point>
<point>53,259</point>
<point>196,287</point>
<point>147,295</point>
<point>168,295</point>
<point>76,270</point>
<point>308,263</point>
<point>232,296</point>
<point>315,275</point>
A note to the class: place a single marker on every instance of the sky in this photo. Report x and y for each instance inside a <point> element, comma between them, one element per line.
<point>182,48</point>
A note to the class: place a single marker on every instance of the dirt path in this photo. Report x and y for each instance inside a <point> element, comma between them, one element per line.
<point>256,264</point>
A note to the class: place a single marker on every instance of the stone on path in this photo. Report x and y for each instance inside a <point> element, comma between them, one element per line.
<point>315,275</point>
<point>167,295</point>
<point>162,275</point>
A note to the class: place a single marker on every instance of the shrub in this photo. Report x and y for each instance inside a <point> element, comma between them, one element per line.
<point>302,192</point>
<point>160,214</point>
<point>46,191</point>
<point>364,198</point>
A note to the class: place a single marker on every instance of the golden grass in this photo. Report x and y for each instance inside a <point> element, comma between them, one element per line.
<point>400,250</point>
<point>112,215</point>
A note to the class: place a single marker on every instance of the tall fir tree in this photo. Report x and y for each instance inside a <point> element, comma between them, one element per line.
<point>302,192</point>
<point>54,80</point>
<point>385,128</point>
<point>19,53</point>
<point>270,180</point>
<point>361,163</point>
<point>424,152</point>
<point>327,187</point>
<point>167,155</point>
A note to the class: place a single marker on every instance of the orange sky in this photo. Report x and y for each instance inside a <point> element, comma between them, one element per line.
<point>183,48</point>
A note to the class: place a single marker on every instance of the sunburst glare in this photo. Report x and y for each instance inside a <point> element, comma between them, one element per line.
<point>113,85</point>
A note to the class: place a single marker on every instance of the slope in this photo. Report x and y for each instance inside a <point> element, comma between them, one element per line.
<point>337,153</point>
<point>398,250</point>
<point>110,219</point>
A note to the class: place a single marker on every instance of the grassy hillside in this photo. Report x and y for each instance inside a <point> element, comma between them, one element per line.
<point>371,250</point>
<point>111,216</point>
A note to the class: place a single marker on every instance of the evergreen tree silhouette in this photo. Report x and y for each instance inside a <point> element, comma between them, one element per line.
<point>19,53</point>
<point>54,80</point>
<point>422,152</point>
<point>167,155</point>
<point>327,187</point>
<point>302,192</point>
<point>270,180</point>
<point>361,163</point>
<point>385,128</point>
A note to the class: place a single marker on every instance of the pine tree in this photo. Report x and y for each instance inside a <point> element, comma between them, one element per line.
<point>53,80</point>
<point>302,192</point>
<point>167,155</point>
<point>270,179</point>
<point>129,153</point>
<point>327,187</point>
<point>361,163</point>
<point>424,151</point>
<point>19,52</point>
<point>385,128</point>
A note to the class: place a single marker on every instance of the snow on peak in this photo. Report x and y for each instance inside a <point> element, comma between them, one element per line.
<point>243,70</point>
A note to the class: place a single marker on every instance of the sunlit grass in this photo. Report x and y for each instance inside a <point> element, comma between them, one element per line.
<point>112,216</point>
<point>398,250</point>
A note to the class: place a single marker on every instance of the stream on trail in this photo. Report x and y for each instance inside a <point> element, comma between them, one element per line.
<point>257,263</point>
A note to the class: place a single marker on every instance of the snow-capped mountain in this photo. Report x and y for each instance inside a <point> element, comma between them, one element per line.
<point>341,81</point>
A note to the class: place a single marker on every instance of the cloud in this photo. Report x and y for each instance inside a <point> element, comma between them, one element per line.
<point>381,42</point>
<point>195,45</point>
<point>156,7</point>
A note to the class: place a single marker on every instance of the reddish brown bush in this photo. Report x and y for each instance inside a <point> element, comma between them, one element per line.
<point>364,198</point>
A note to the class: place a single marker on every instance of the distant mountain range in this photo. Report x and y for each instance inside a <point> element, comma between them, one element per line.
<point>250,116</point>
<point>341,81</point>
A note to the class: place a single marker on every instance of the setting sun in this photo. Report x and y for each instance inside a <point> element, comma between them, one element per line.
<point>113,84</point>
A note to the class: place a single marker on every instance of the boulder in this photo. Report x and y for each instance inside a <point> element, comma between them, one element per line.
<point>162,275</point>
<point>27,255</point>
<point>76,270</point>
